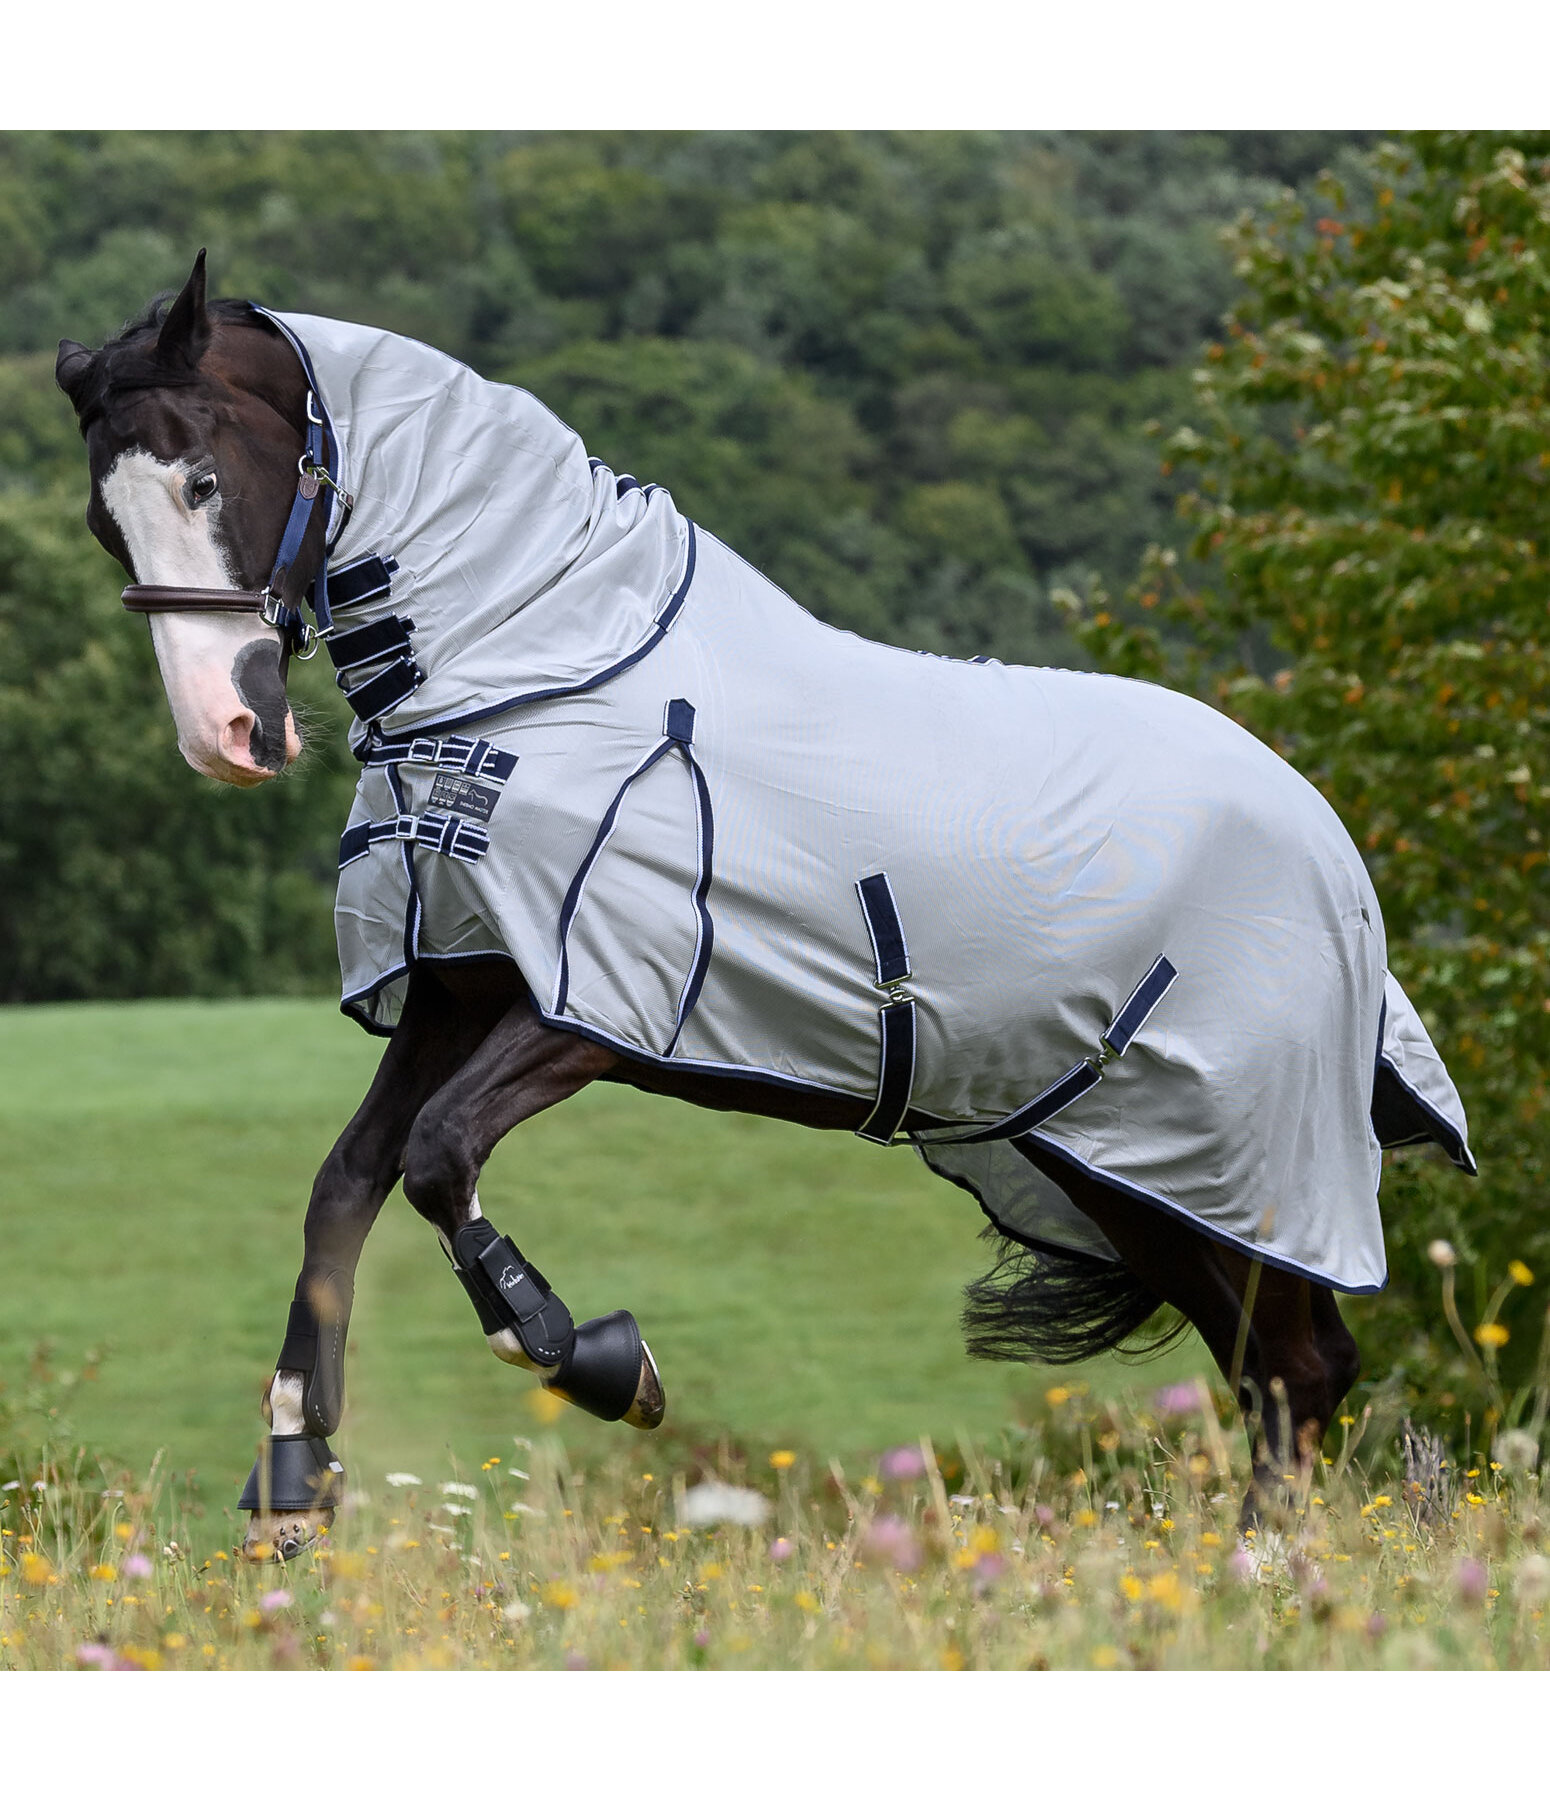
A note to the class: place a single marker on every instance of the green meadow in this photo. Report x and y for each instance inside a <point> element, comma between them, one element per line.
<point>837,1485</point>
<point>799,1289</point>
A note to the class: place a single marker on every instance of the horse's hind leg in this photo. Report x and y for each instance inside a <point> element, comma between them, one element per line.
<point>521,1068</point>
<point>304,1400</point>
<point>1277,1337</point>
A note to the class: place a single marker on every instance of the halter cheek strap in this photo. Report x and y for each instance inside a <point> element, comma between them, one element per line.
<point>300,638</point>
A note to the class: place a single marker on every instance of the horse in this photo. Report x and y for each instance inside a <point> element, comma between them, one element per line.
<point>629,813</point>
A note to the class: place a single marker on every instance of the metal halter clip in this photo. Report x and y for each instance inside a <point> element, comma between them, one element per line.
<point>303,639</point>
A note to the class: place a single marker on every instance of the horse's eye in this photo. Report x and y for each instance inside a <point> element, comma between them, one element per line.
<point>202,487</point>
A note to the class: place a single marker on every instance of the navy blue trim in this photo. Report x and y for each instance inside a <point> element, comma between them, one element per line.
<point>631,1052</point>
<point>1133,1191</point>
<point>1045,1246</point>
<point>1446,1133</point>
<point>624,485</point>
<point>659,631</point>
<point>889,950</point>
<point>413,906</point>
<point>366,643</point>
<point>353,1006</point>
<point>579,879</point>
<point>1140,1006</point>
<point>374,698</point>
<point>679,735</point>
<point>689,998</point>
<point>895,1073</point>
<point>336,502</point>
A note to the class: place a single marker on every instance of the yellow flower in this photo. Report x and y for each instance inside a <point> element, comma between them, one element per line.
<point>1130,1587</point>
<point>1056,1396</point>
<point>36,1569</point>
<point>545,1405</point>
<point>175,1640</point>
<point>808,1602</point>
<point>1165,1588</point>
<point>104,1572</point>
<point>1085,1517</point>
<point>123,1532</point>
<point>782,1459</point>
<point>559,1594</point>
<point>983,1540</point>
<point>1521,1273</point>
<point>1491,1336</point>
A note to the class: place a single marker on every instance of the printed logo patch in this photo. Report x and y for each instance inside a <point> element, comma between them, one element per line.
<point>459,794</point>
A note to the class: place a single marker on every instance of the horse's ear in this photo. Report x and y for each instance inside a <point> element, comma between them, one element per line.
<point>185,331</point>
<point>71,368</point>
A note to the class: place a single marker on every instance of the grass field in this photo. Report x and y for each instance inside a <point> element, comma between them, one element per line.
<point>797,1288</point>
<point>837,1487</point>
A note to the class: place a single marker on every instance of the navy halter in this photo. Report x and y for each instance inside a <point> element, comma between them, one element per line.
<point>316,470</point>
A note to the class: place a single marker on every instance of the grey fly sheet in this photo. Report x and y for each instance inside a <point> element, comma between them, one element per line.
<point>1031,905</point>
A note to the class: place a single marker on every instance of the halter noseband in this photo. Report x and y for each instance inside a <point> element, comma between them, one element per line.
<point>301,640</point>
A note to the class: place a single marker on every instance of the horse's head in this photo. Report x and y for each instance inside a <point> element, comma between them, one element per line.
<point>194,419</point>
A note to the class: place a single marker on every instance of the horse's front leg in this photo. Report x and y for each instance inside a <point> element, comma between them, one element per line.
<point>521,1068</point>
<point>291,1491</point>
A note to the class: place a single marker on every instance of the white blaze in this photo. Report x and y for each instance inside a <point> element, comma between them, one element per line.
<point>173,544</point>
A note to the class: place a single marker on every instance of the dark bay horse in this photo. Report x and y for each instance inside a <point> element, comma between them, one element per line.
<point>214,481</point>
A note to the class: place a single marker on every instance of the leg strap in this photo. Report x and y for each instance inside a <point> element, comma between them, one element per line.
<point>314,1344</point>
<point>293,1474</point>
<point>509,1294</point>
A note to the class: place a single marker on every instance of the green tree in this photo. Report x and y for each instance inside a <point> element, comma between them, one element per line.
<point>1367,592</point>
<point>122,872</point>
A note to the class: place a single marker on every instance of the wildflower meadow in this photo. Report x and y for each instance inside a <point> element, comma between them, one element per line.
<point>1103,1539</point>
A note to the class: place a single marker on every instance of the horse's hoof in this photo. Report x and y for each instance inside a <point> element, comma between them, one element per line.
<point>649,1407</point>
<point>282,1536</point>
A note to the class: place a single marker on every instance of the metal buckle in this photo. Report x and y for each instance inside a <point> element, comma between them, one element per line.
<point>406,827</point>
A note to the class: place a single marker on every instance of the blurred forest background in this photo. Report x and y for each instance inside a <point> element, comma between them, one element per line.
<point>1262,415</point>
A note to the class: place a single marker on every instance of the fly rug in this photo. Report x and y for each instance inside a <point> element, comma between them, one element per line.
<point>628,811</point>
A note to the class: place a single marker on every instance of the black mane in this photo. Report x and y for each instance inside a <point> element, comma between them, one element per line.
<point>129,364</point>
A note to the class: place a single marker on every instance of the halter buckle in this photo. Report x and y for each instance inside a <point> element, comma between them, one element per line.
<point>301,637</point>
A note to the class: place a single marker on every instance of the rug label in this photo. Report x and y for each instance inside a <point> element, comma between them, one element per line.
<point>457,793</point>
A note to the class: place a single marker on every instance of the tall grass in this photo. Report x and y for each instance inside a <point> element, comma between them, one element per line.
<point>1103,1538</point>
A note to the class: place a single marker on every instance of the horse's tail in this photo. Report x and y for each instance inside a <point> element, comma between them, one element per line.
<point>1048,1306</point>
